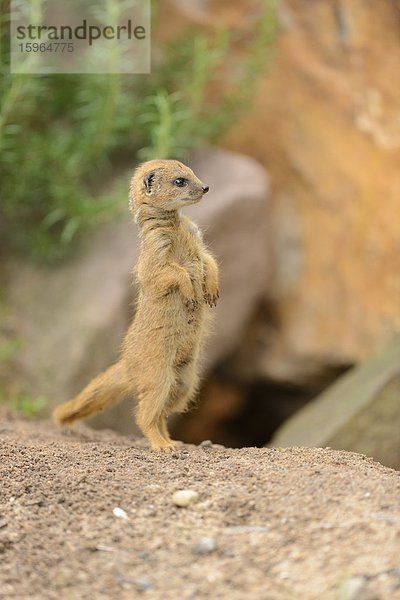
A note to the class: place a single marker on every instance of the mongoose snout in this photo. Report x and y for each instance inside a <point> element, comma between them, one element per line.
<point>205,189</point>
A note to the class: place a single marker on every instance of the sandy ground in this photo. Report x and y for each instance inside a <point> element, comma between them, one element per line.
<point>268,524</point>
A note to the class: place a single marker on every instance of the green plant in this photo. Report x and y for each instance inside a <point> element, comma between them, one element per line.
<point>28,405</point>
<point>9,348</point>
<point>182,117</point>
<point>10,395</point>
<point>60,134</point>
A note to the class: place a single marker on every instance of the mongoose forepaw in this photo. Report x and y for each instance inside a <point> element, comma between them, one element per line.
<point>211,299</point>
<point>191,303</point>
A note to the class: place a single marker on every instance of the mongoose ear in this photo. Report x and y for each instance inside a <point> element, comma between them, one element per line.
<point>148,181</point>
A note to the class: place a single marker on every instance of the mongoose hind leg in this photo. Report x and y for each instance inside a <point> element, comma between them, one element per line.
<point>164,431</point>
<point>185,387</point>
<point>155,430</point>
<point>153,399</point>
<point>179,396</point>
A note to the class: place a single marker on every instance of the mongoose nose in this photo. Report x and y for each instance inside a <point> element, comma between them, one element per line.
<point>205,189</point>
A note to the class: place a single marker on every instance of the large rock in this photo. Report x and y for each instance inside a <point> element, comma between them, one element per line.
<point>330,105</point>
<point>72,318</point>
<point>360,412</point>
<point>326,122</point>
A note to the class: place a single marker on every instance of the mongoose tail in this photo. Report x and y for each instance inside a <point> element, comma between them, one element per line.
<point>107,388</point>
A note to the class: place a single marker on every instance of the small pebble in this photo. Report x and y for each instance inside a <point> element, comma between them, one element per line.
<point>142,584</point>
<point>67,431</point>
<point>352,588</point>
<point>34,502</point>
<point>185,497</point>
<point>102,548</point>
<point>246,529</point>
<point>203,505</point>
<point>119,513</point>
<point>206,443</point>
<point>205,545</point>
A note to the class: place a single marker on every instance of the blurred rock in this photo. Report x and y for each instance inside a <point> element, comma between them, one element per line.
<point>326,123</point>
<point>360,412</point>
<point>330,104</point>
<point>72,318</point>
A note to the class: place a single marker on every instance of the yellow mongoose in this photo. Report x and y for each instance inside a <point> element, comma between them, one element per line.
<point>176,277</point>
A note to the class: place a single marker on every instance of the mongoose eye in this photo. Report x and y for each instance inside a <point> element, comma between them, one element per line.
<point>180,182</point>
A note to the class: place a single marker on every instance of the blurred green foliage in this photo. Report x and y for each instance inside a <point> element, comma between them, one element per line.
<point>8,348</point>
<point>60,134</point>
<point>30,406</point>
<point>10,394</point>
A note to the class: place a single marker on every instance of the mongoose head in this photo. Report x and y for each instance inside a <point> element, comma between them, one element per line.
<point>165,184</point>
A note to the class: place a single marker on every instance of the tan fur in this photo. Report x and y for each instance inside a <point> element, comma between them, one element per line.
<point>177,278</point>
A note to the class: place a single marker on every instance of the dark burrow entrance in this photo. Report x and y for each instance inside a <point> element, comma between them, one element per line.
<point>238,414</point>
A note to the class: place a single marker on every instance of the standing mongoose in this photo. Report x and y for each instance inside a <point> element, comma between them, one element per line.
<point>177,278</point>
